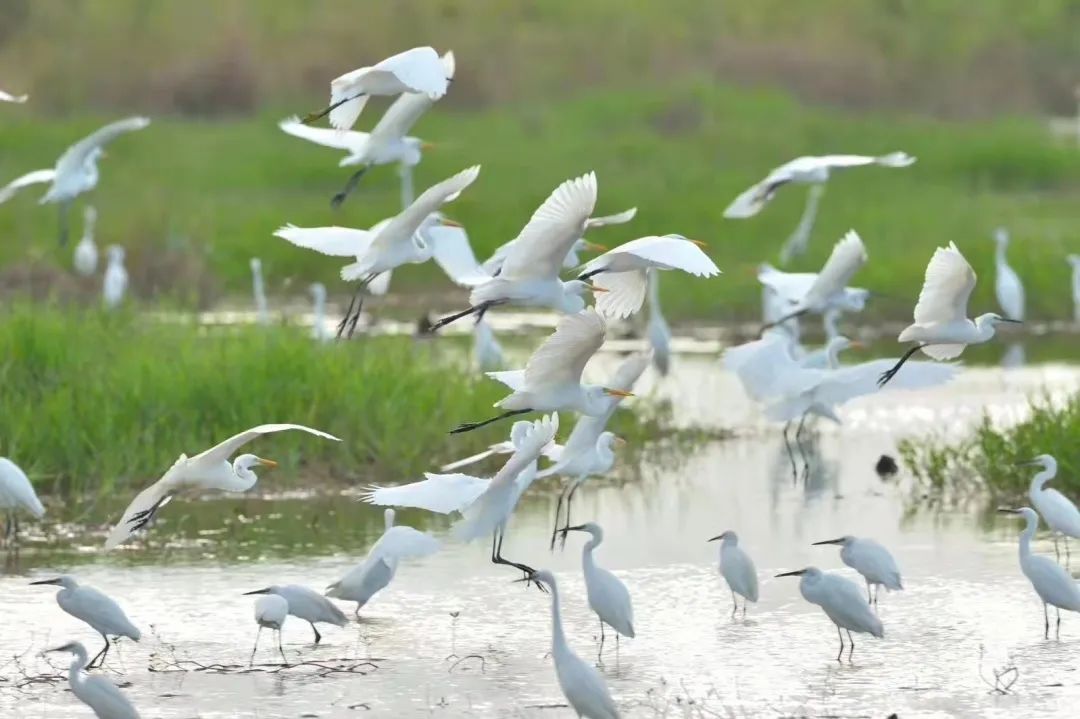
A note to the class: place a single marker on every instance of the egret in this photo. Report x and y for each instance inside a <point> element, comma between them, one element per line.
<point>787,289</point>
<point>799,239</point>
<point>487,353</point>
<point>870,559</point>
<point>380,565</point>
<point>738,570</point>
<point>101,695</point>
<point>16,493</point>
<point>941,328</point>
<point>805,170</point>
<point>86,252</point>
<point>208,470</point>
<point>508,446</point>
<point>1074,262</point>
<point>608,596</point>
<point>419,70</point>
<point>318,321</point>
<point>271,611</point>
<point>1057,510</point>
<point>8,97</point>
<point>582,685</point>
<point>306,604</point>
<point>398,242</point>
<point>657,330</point>
<point>578,469</point>
<point>76,171</point>
<point>624,271</point>
<point>114,285</point>
<point>829,288</point>
<point>841,601</point>
<point>258,290</point>
<point>551,380</point>
<point>1007,285</point>
<point>1051,582</point>
<point>95,608</point>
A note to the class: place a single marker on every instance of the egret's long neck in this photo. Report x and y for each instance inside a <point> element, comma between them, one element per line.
<point>75,670</point>
<point>1025,537</point>
<point>985,328</point>
<point>1042,478</point>
<point>320,309</point>
<point>999,252</point>
<point>245,478</point>
<point>558,639</point>
<point>587,560</point>
<point>832,350</point>
<point>831,333</point>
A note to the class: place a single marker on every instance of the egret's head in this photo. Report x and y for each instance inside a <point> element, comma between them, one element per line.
<point>272,589</point>
<point>579,288</point>
<point>1001,236</point>
<point>388,518</point>
<point>807,572</point>
<point>542,577</point>
<point>583,245</point>
<point>610,440</point>
<point>993,318</point>
<point>64,580</point>
<point>94,155</point>
<point>245,463</point>
<point>116,253</point>
<point>1026,513</point>
<point>519,432</point>
<point>591,527</point>
<point>842,541</point>
<point>317,290</point>
<point>1045,461</point>
<point>727,537</point>
<point>854,299</point>
<point>256,264</point>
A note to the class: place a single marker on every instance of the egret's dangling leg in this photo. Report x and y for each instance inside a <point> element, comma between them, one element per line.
<point>798,443</point>
<point>318,637</point>
<point>497,557</point>
<point>258,634</point>
<point>313,116</point>
<point>558,513</point>
<point>354,180</point>
<point>470,426</point>
<point>790,453</point>
<point>353,316</point>
<point>480,308</point>
<point>891,372</point>
<point>569,498</point>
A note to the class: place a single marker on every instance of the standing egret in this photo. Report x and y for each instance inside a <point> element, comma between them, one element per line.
<point>209,470</point>
<point>805,170</point>
<point>1054,585</point>
<point>1007,285</point>
<point>16,493</point>
<point>799,239</point>
<point>577,469</point>
<point>870,559</point>
<point>608,596</point>
<point>551,380</point>
<point>258,290</point>
<point>841,601</point>
<point>101,695</point>
<point>657,330</point>
<point>1057,510</point>
<point>738,570</point>
<point>941,328</point>
<point>380,565</point>
<point>487,353</point>
<point>102,613</point>
<point>270,612</point>
<point>318,314</point>
<point>306,604</point>
<point>114,285</point>
<point>1074,262</point>
<point>86,252</point>
<point>8,97</point>
<point>829,288</point>
<point>582,685</point>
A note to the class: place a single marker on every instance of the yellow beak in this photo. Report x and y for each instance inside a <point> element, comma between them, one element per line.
<point>594,288</point>
<point>700,244</point>
<point>451,223</point>
<point>593,247</point>
<point>620,442</point>
<point>618,392</point>
<point>428,145</point>
<point>268,463</point>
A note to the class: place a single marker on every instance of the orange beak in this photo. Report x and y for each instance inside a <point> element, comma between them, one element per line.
<point>594,288</point>
<point>593,247</point>
<point>451,223</point>
<point>617,392</point>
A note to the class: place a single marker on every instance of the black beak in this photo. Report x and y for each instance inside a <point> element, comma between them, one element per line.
<point>827,541</point>
<point>1015,322</point>
<point>719,536</point>
<point>1007,510</point>
<point>258,591</point>
<point>45,581</point>
<point>796,573</point>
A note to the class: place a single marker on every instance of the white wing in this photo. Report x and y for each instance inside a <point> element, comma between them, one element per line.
<point>410,219</point>
<point>562,357</point>
<point>75,156</point>
<point>848,383</point>
<point>848,255</point>
<point>407,109</point>
<point>417,70</point>
<point>763,366</point>
<point>226,449</point>
<point>789,286</point>
<point>454,254</point>
<point>512,378</point>
<point>664,252</point>
<point>616,219</point>
<point>623,293</point>
<point>442,493</point>
<point>401,542</point>
<point>145,501</point>
<point>30,178</point>
<point>348,140</point>
<point>8,97</point>
<point>946,289</point>
<point>893,159</point>
<point>333,241</point>
<point>16,490</point>
<point>752,200</point>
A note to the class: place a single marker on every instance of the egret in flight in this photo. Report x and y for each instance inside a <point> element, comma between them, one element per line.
<point>785,290</point>
<point>86,252</point>
<point>209,470</point>
<point>608,596</point>
<point>95,608</point>
<point>96,692</point>
<point>115,283</point>
<point>1057,510</point>
<point>870,559</point>
<point>1007,285</point>
<point>738,570</point>
<point>306,604</point>
<point>270,613</point>
<point>577,469</point>
<point>16,494</point>
<point>842,603</point>
<point>830,287</point>
<point>8,97</point>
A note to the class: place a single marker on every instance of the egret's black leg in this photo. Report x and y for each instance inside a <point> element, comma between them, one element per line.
<point>735,604</point>
<point>851,639</point>
<point>569,499</point>
<point>280,648</point>
<point>890,373</point>
<point>783,319</point>
<point>798,443</point>
<point>480,308</point>
<point>313,116</point>
<point>600,654</point>
<point>348,313</point>
<point>1046,623</point>
<point>318,637</point>
<point>558,513</point>
<point>790,454</point>
<point>256,647</point>
<point>1057,631</point>
<point>470,426</point>
<point>354,180</point>
<point>100,658</point>
<point>869,597</point>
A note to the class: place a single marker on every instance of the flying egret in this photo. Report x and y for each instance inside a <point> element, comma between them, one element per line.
<point>258,290</point>
<point>96,692</point>
<point>1074,262</point>
<point>115,283</point>
<point>787,289</point>
<point>941,328</point>
<point>318,321</point>
<point>1054,585</point>
<point>400,241</point>
<point>608,596</point>
<point>209,470</point>
<point>1057,510</point>
<point>16,493</point>
<point>841,601</point>
<point>830,287</point>
<point>657,330</point>
<point>551,380</point>
<point>487,353</point>
<point>8,97</point>
<point>624,271</point>
<point>805,170</point>
<point>86,252</point>
<point>870,559</point>
<point>380,565</point>
<point>270,612</point>
<point>306,604</point>
<point>582,685</point>
<point>577,469</point>
<point>799,239</point>
<point>101,612</point>
<point>1007,285</point>
<point>419,70</point>
<point>76,171</point>
<point>738,570</point>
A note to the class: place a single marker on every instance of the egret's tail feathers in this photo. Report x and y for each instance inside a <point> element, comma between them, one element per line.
<point>895,159</point>
<point>354,271</point>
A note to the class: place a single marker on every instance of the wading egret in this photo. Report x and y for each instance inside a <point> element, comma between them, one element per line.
<point>1007,285</point>
<point>805,170</point>
<point>870,559</point>
<point>101,695</point>
<point>1074,262</point>
<point>306,604</point>
<point>16,494</point>
<point>582,685</point>
<point>270,612</point>
<point>258,291</point>
<point>1051,582</point>
<point>419,70</point>
<point>487,353</point>
<point>829,288</point>
<point>551,380</point>
<point>657,330</point>
<point>608,596</point>
<point>799,239</point>
<point>941,328</point>
<point>8,97</point>
<point>577,470</point>
<point>209,470</point>
<point>1057,510</point>
<point>738,570</point>
<point>318,312</point>
<point>86,252</point>
<point>375,573</point>
<point>102,613</point>
<point>841,601</point>
<point>115,283</point>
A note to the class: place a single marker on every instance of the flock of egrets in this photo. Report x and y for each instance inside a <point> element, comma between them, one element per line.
<point>792,384</point>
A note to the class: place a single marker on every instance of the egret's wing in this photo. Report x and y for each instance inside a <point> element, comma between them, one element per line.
<point>419,69</point>
<point>348,140</point>
<point>493,265</point>
<point>416,70</point>
<point>401,542</point>
<point>442,493</point>
<point>145,501</point>
<point>75,155</point>
<point>789,286</point>
<point>512,378</point>
<point>624,292</point>
<point>226,449</point>
<point>854,381</point>
<point>848,255</point>
<point>8,97</point>
<point>333,241</point>
<point>947,287</point>
<point>665,252</point>
<point>30,178</point>
<point>407,109</point>
<point>616,219</point>
<point>410,219</point>
<point>541,246</point>
<point>497,448</point>
<point>532,445</point>
<point>454,254</point>
<point>561,359</point>
<point>17,487</point>
<point>761,365</point>
<point>893,159</point>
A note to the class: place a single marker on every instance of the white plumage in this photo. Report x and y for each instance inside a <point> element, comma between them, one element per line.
<point>95,608</point>
<point>842,603</point>
<point>1007,285</point>
<point>870,559</point>
<point>8,97</point>
<point>738,570</point>
<point>1057,510</point>
<point>86,252</point>
<point>799,240</point>
<point>608,596</point>
<point>258,291</point>
<point>487,353</point>
<point>102,696</point>
<point>114,284</point>
<point>1051,582</point>
<point>657,330</point>
<point>17,494</point>
<point>270,613</point>
<point>307,604</point>
<point>1074,263</point>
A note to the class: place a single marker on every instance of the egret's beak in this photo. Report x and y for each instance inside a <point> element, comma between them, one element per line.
<point>1015,322</point>
<point>856,345</point>
<point>1029,463</point>
<point>796,573</point>
<point>617,392</point>
<point>64,648</point>
<point>593,247</point>
<point>594,288</point>
<point>620,442</point>
<point>828,541</point>
<point>700,244</point>
<point>427,145</point>
<point>269,463</point>
<point>258,591</point>
<point>578,528</point>
<point>47,581</point>
<point>446,221</point>
<point>1006,510</point>
<point>719,536</point>
<point>103,154</point>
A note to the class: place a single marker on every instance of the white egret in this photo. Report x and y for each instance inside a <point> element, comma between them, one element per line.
<point>1057,510</point>
<point>95,608</point>
<point>582,685</point>
<point>870,559</point>
<point>830,288</point>
<point>1007,285</point>
<point>487,353</point>
<point>941,328</point>
<point>102,696</point>
<point>380,565</point>
<point>799,239</point>
<point>657,330</point>
<point>608,596</point>
<point>805,170</point>
<point>306,604</point>
<point>828,355</point>
<point>208,470</point>
<point>577,469</point>
<point>115,283</point>
<point>258,291</point>
<point>624,271</point>
<point>1074,262</point>
<point>86,252</point>
<point>505,447</point>
<point>738,570</point>
<point>8,97</point>
<point>786,289</point>
<point>270,612</point>
<point>16,493</point>
<point>551,380</point>
<point>1054,585</point>
<point>318,321</point>
<point>841,601</point>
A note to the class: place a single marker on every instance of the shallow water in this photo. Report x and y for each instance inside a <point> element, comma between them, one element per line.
<point>966,610</point>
